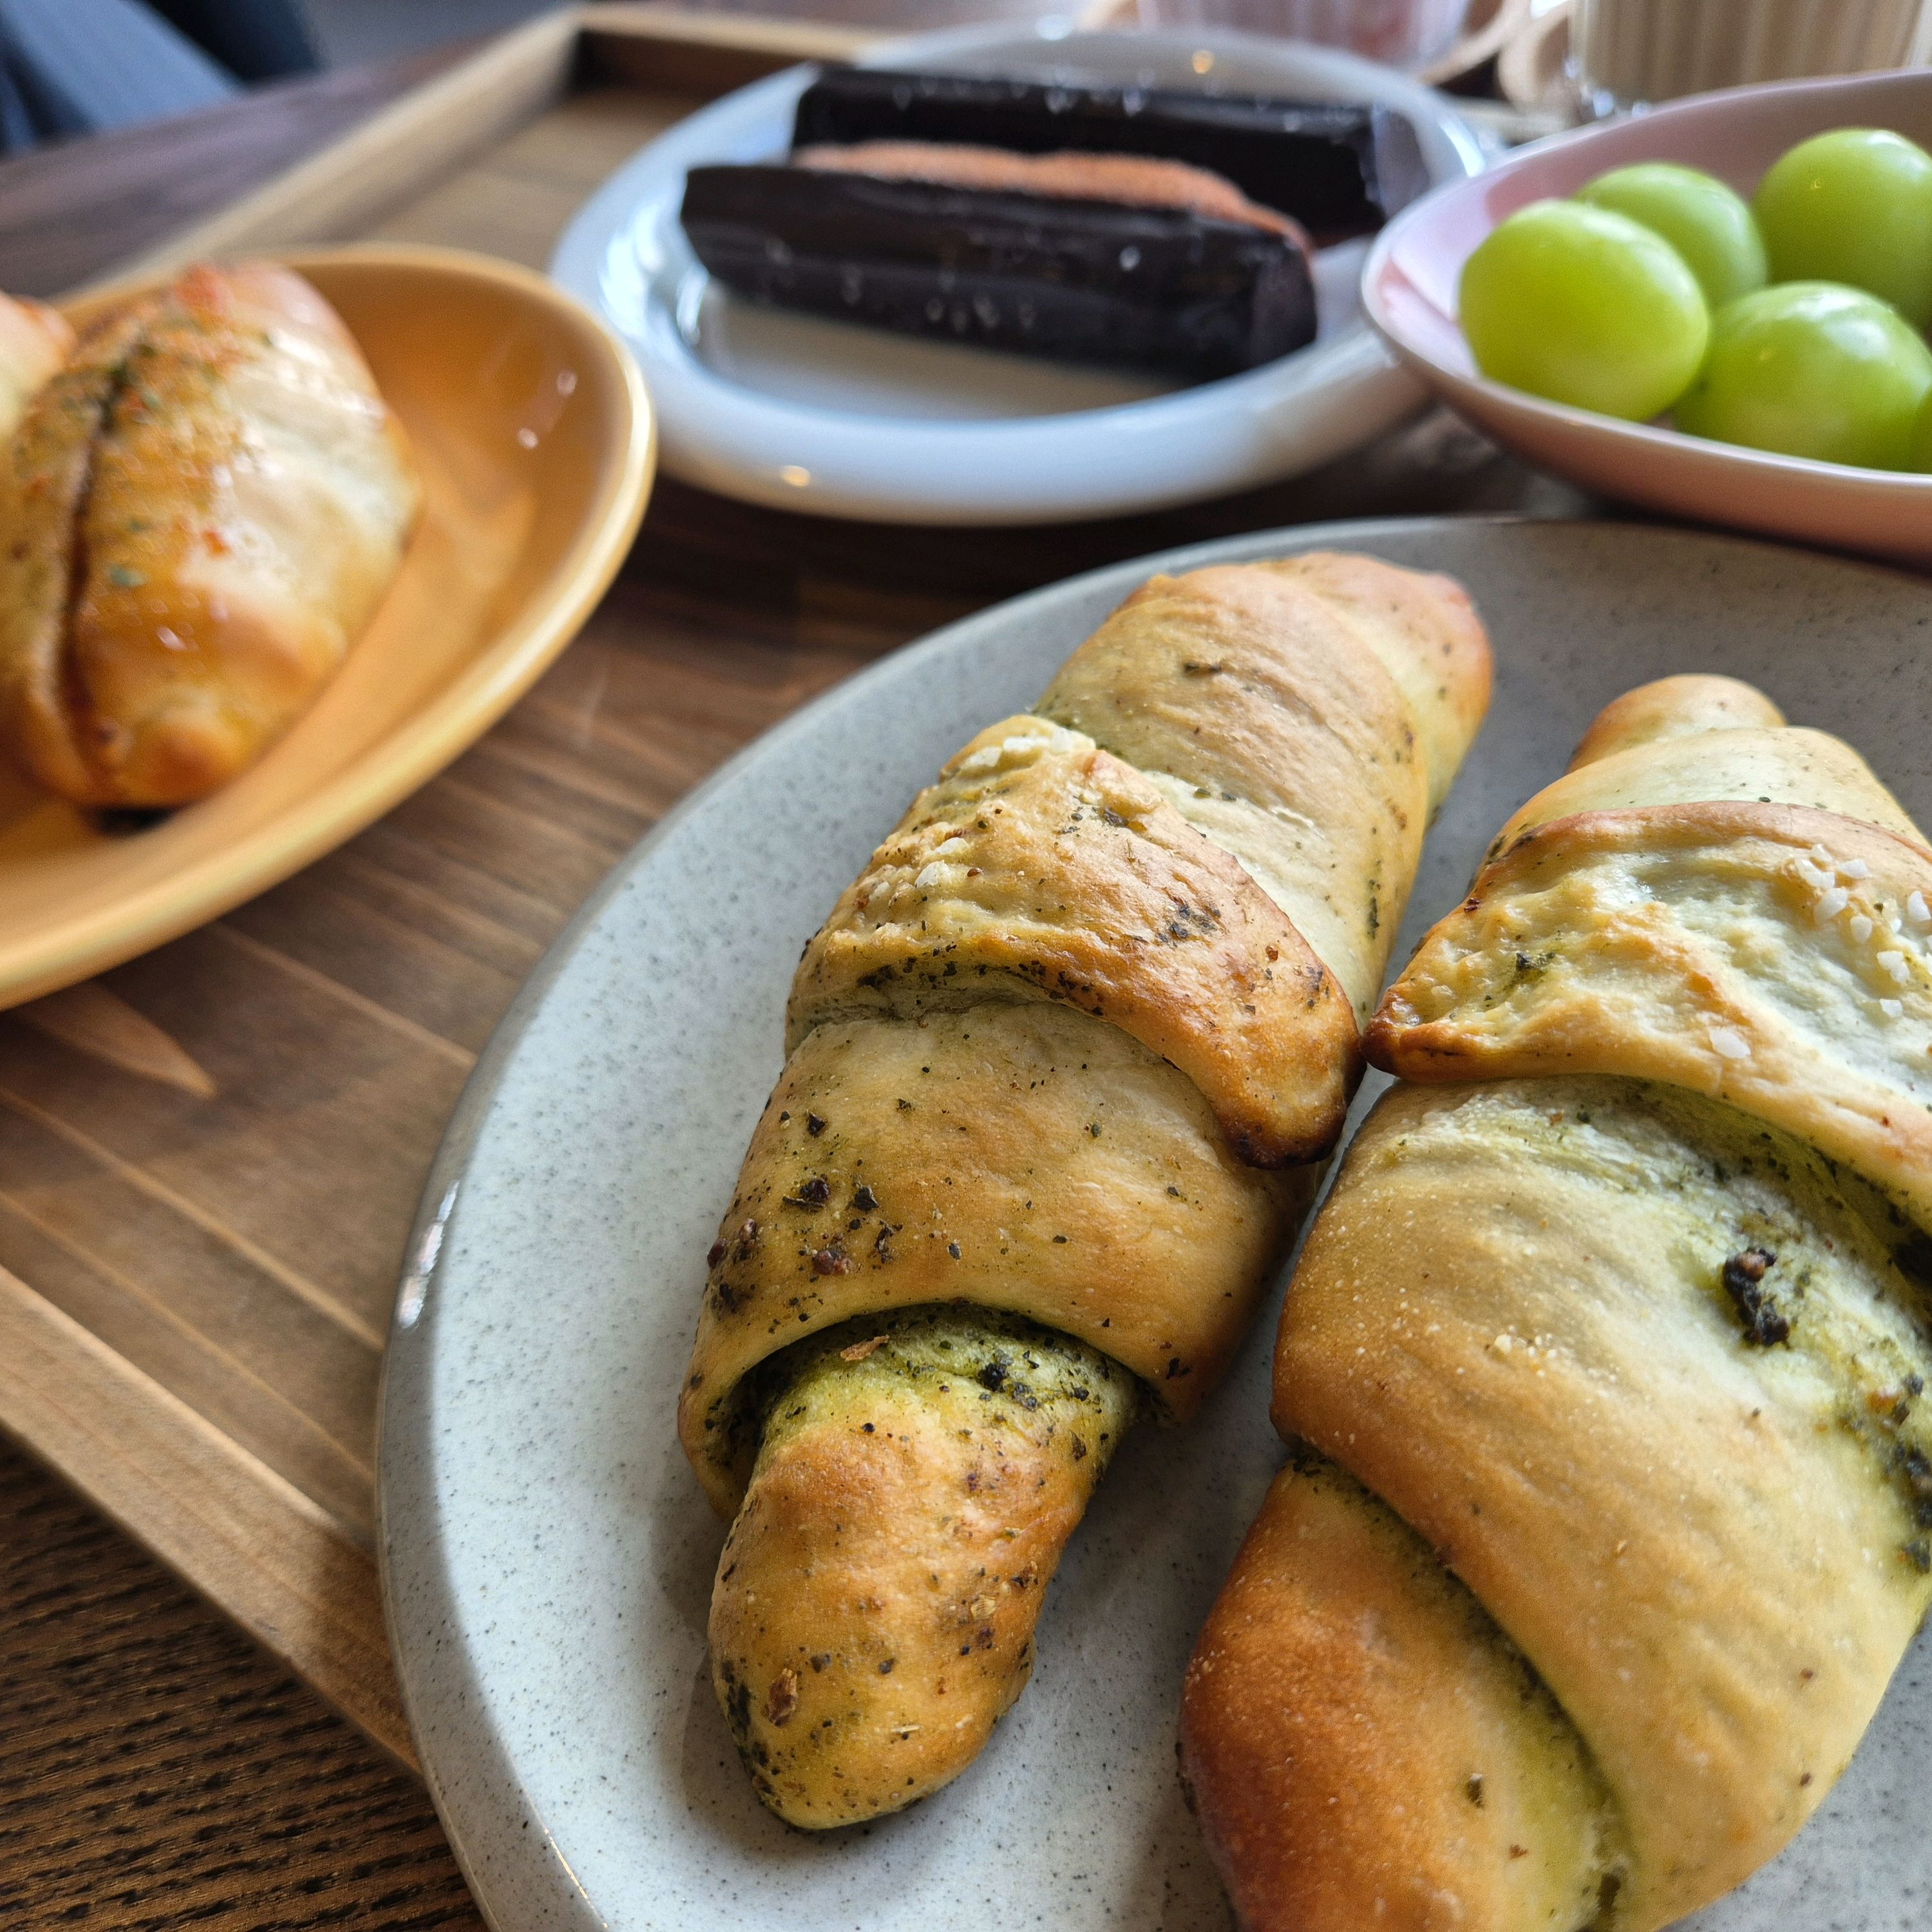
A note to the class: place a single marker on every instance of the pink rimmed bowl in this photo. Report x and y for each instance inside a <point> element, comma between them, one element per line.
<point>1409,286</point>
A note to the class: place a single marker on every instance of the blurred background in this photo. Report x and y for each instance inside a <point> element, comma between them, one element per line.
<point>71,68</point>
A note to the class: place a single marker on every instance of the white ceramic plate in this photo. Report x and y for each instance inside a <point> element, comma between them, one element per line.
<point>547,1554</point>
<point>845,421</point>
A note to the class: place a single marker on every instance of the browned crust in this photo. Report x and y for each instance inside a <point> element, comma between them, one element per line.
<point>1041,1163</point>
<point>1360,1748</point>
<point>1134,180</point>
<point>1675,707</point>
<point>1424,628</point>
<point>156,633</point>
<point>45,474</point>
<point>1284,735</point>
<point>1400,1041</point>
<point>1634,968</point>
<point>1289,1722</point>
<point>1074,880</point>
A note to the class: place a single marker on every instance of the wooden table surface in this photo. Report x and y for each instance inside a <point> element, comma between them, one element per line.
<point>158,1771</point>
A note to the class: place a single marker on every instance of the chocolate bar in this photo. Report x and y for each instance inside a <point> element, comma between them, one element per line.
<point>1340,168</point>
<point>1151,282</point>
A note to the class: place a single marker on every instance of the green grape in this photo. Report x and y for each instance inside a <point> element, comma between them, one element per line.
<point>1920,455</point>
<point>1584,307</point>
<point>1705,221</point>
<point>1812,369</point>
<point>1853,206</point>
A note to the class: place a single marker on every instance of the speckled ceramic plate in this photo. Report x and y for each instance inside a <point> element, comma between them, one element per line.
<point>547,1553</point>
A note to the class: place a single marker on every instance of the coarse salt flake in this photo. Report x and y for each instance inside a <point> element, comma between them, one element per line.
<point>1503,1344</point>
<point>1811,875</point>
<point>1893,963</point>
<point>1020,741</point>
<point>929,875</point>
<point>1917,911</point>
<point>1892,1008</point>
<point>1832,903</point>
<point>1819,853</point>
<point>955,843</point>
<point>1855,868</point>
<point>1729,1043</point>
<point>983,759</point>
<point>1860,927</point>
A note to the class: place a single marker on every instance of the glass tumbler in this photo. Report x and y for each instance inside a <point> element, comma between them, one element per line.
<point>1624,52</point>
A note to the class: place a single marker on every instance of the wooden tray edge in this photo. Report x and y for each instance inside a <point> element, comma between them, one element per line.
<point>226,1523</point>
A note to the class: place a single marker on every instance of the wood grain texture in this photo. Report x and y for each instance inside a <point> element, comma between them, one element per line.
<point>102,1025</point>
<point>281,1565</point>
<point>160,1772</point>
<point>210,1156</point>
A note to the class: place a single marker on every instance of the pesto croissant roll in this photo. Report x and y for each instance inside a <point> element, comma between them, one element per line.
<point>205,506</point>
<point>1062,1062</point>
<point>1610,1513</point>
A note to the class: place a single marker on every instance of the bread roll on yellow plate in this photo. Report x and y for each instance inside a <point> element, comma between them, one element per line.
<point>205,504</point>
<point>34,343</point>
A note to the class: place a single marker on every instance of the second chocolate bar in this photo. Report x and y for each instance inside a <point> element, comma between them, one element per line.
<point>1340,168</point>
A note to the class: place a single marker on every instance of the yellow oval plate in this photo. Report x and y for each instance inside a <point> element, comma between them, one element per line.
<point>537,447</point>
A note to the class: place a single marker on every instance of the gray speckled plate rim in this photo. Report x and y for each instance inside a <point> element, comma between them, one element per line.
<point>436,1675</point>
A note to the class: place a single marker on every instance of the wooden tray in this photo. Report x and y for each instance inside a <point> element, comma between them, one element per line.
<point>209,1158</point>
